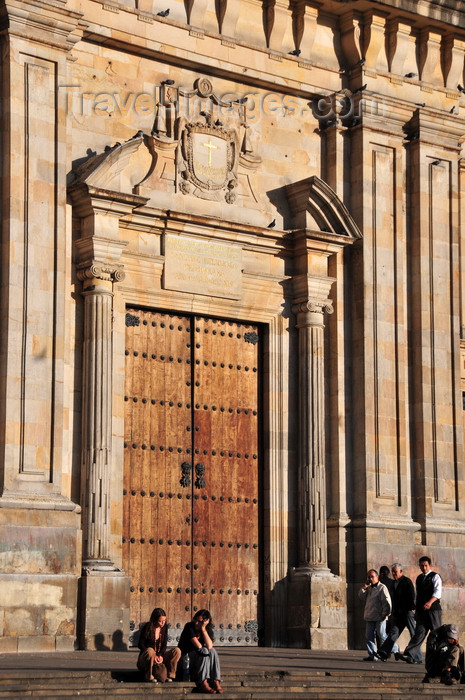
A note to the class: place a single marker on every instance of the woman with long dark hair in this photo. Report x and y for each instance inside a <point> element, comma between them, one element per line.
<point>156,663</point>
<point>197,641</point>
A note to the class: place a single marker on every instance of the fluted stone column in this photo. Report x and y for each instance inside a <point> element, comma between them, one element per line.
<point>96,413</point>
<point>316,598</point>
<point>312,479</point>
<point>104,588</point>
<point>103,608</point>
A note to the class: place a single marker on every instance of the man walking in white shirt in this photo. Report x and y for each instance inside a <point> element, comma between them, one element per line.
<point>428,613</point>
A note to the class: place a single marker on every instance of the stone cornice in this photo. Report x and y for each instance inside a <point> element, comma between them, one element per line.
<point>443,131</point>
<point>52,24</point>
<point>120,28</point>
<point>448,11</point>
<point>88,200</point>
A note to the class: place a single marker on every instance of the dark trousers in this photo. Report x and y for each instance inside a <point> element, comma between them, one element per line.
<point>398,624</point>
<point>426,620</point>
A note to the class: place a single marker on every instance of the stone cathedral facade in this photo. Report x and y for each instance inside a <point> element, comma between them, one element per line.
<point>232,286</point>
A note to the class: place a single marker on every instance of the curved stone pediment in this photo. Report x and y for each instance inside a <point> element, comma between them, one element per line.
<point>315,205</point>
<point>119,168</point>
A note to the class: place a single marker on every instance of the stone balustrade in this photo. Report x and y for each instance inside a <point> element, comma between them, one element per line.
<point>378,40</point>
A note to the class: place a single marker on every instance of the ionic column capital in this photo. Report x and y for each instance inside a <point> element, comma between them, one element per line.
<point>321,307</point>
<point>102,271</point>
<point>99,259</point>
<point>311,312</point>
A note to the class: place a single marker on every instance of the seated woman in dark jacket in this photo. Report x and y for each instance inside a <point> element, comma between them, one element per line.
<point>197,641</point>
<point>154,661</point>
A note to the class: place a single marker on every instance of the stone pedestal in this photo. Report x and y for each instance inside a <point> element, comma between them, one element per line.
<point>317,610</point>
<point>104,610</point>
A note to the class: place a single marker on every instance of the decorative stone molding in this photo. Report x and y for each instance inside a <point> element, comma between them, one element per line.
<point>314,204</point>
<point>374,41</point>
<point>103,272</point>
<point>314,307</point>
<point>196,12</point>
<point>453,50</point>
<point>399,42</point>
<point>228,14</point>
<point>277,19</point>
<point>305,23</point>
<point>430,57</point>
<point>350,28</point>
<point>42,21</point>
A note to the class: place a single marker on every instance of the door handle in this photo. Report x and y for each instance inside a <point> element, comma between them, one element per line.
<point>185,479</point>
<point>200,482</point>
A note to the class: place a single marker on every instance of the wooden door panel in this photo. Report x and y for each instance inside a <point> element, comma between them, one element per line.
<point>226,501</point>
<point>156,506</point>
<point>190,530</point>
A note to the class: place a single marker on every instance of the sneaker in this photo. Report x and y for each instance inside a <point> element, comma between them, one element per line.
<point>382,655</point>
<point>426,679</point>
<point>370,658</point>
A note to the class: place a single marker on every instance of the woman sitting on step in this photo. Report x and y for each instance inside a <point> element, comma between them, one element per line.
<point>157,664</point>
<point>197,641</point>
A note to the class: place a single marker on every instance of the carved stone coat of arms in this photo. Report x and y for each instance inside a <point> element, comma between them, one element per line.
<point>207,160</point>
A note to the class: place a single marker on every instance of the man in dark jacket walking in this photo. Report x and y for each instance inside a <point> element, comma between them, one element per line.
<point>403,605</point>
<point>428,613</point>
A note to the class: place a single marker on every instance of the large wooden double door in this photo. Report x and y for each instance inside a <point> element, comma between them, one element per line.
<point>191,486</point>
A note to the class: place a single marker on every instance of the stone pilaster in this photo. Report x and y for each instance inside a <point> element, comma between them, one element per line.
<point>96,412</point>
<point>437,435</point>
<point>316,598</point>
<point>104,587</point>
<point>312,486</point>
<point>319,620</point>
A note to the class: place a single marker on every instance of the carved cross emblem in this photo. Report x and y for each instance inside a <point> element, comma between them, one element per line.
<point>209,145</point>
<point>208,162</point>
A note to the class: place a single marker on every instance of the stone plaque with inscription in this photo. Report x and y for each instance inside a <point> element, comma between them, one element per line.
<point>201,266</point>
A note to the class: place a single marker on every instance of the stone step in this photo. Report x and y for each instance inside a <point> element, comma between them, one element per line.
<point>317,688</point>
<point>277,693</point>
<point>238,685</point>
<point>230,676</point>
<point>89,686</point>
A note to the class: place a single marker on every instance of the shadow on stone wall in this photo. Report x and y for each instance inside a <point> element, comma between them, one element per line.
<point>118,644</point>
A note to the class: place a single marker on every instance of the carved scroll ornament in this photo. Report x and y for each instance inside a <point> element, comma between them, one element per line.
<point>314,307</point>
<point>109,273</point>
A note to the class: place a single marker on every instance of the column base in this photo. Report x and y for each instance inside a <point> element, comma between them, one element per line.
<point>103,608</point>
<point>317,609</point>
